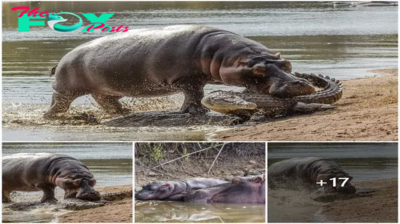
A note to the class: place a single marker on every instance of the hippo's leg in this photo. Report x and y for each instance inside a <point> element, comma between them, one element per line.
<point>60,104</point>
<point>48,194</point>
<point>110,104</point>
<point>176,197</point>
<point>6,196</point>
<point>193,92</point>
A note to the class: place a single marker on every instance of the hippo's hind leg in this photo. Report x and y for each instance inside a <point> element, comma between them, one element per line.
<point>193,91</point>
<point>110,104</point>
<point>60,104</point>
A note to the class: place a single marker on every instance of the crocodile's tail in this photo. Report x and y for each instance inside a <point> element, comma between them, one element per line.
<point>332,89</point>
<point>53,70</point>
<point>117,195</point>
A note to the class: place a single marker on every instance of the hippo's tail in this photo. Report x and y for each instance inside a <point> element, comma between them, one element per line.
<point>53,70</point>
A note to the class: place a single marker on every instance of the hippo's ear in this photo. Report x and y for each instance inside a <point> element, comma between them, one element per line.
<point>258,69</point>
<point>258,179</point>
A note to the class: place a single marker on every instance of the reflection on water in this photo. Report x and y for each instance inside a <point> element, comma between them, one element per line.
<point>160,211</point>
<point>299,205</point>
<point>41,214</point>
<point>246,18</point>
<point>363,161</point>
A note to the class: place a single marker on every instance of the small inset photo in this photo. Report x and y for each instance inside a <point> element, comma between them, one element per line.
<point>215,182</point>
<point>67,182</point>
<point>332,182</point>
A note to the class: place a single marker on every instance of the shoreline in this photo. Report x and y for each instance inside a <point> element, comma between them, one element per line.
<point>119,211</point>
<point>366,112</point>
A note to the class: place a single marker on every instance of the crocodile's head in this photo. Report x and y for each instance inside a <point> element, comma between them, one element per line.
<point>271,78</point>
<point>226,102</point>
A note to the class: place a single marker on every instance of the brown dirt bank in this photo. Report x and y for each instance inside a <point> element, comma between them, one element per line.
<point>379,206</point>
<point>235,159</point>
<point>366,112</point>
<point>118,211</point>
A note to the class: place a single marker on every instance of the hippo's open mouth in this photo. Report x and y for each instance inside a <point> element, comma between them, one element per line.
<point>161,192</point>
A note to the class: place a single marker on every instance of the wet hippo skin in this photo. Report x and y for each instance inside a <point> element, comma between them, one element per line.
<point>174,190</point>
<point>240,190</point>
<point>44,172</point>
<point>304,173</point>
<point>168,60</point>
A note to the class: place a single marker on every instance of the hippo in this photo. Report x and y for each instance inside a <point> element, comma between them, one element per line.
<point>241,190</point>
<point>304,173</point>
<point>169,60</point>
<point>174,190</point>
<point>45,171</point>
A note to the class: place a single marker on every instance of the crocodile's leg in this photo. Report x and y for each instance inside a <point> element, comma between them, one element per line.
<point>241,116</point>
<point>310,107</point>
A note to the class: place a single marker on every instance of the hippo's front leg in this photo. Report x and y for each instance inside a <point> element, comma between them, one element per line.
<point>193,91</point>
<point>48,194</point>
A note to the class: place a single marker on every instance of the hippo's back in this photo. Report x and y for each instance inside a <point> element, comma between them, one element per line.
<point>134,63</point>
<point>29,165</point>
<point>291,167</point>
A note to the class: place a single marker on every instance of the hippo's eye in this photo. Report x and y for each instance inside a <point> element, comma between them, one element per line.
<point>235,181</point>
<point>92,182</point>
<point>77,182</point>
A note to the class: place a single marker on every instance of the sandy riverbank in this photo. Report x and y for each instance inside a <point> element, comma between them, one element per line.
<point>117,211</point>
<point>379,206</point>
<point>366,112</point>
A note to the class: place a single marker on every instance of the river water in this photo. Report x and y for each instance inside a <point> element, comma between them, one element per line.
<point>345,43</point>
<point>110,163</point>
<point>161,211</point>
<point>363,161</point>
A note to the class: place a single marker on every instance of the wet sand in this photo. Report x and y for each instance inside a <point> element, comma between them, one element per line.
<point>379,206</point>
<point>366,112</point>
<point>115,212</point>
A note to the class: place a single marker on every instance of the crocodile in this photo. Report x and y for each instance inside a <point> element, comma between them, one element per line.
<point>245,104</point>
